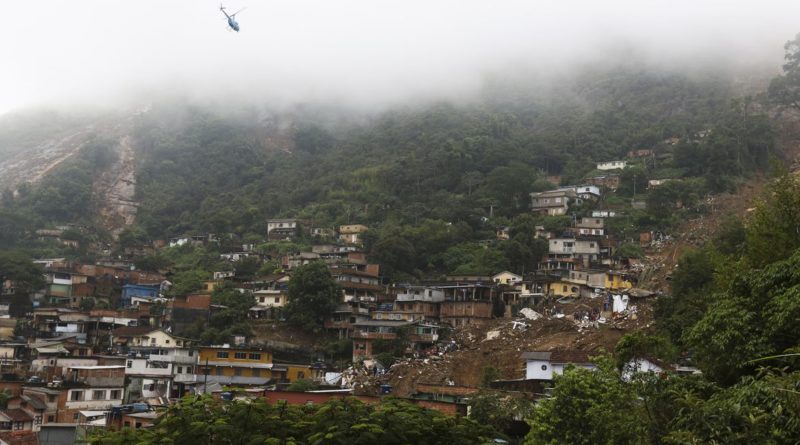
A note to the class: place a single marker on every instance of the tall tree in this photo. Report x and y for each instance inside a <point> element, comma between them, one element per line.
<point>785,89</point>
<point>313,296</point>
<point>18,267</point>
<point>773,231</point>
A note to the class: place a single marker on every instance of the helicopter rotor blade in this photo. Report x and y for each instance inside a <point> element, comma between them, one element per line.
<point>234,14</point>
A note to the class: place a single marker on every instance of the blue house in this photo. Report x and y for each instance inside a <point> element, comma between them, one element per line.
<point>138,290</point>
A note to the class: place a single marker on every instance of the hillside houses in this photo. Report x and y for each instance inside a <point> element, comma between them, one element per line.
<point>94,365</point>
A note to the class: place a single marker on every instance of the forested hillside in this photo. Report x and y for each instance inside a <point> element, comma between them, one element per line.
<point>430,180</point>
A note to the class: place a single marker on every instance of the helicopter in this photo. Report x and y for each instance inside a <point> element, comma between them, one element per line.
<point>231,18</point>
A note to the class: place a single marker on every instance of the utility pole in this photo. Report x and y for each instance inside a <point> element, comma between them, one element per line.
<point>205,378</point>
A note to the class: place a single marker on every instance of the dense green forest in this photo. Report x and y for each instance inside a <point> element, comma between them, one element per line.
<point>431,181</point>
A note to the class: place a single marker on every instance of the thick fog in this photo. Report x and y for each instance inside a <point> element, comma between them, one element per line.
<point>355,52</point>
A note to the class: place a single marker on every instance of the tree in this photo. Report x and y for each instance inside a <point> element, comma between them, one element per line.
<point>588,407</point>
<point>692,284</point>
<point>500,411</point>
<point>201,420</point>
<point>632,181</point>
<point>785,89</point>
<point>248,267</point>
<point>629,250</point>
<point>313,296</point>
<point>772,229</point>
<point>638,345</point>
<point>18,267</point>
<point>756,316</point>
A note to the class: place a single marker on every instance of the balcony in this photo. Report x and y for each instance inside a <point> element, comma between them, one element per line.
<point>178,359</point>
<point>185,378</point>
<point>436,298</point>
<point>374,335</point>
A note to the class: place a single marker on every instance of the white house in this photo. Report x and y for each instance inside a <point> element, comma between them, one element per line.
<point>421,293</point>
<point>270,298</point>
<point>611,165</point>
<point>508,278</point>
<point>541,365</point>
<point>588,191</point>
<point>636,365</point>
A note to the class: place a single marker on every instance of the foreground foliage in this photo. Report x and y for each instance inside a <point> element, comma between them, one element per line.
<point>204,421</point>
<point>598,407</point>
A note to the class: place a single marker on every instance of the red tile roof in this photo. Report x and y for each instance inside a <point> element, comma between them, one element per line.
<point>17,415</point>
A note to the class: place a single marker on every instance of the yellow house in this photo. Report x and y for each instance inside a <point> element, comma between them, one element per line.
<point>290,372</point>
<point>507,278</point>
<point>616,281</point>
<point>208,286</point>
<point>231,365</point>
<point>351,233</point>
<point>563,288</point>
<point>247,366</point>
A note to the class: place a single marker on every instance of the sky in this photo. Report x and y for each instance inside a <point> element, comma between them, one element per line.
<point>62,53</point>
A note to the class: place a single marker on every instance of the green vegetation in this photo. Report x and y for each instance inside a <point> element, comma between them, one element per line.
<point>734,307</point>
<point>785,89</point>
<point>204,421</point>
<point>17,266</point>
<point>313,296</point>
<point>590,407</point>
<point>433,183</point>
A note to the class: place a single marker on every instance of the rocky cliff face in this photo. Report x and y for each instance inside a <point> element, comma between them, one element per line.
<point>113,189</point>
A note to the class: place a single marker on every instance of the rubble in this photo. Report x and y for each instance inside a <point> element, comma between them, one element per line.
<point>530,314</point>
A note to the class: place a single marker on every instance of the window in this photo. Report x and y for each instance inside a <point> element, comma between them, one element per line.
<point>51,419</point>
<point>37,420</point>
<point>180,370</point>
<point>76,396</point>
<point>130,363</point>
<point>255,356</point>
<point>240,355</point>
<point>301,375</point>
<point>261,299</point>
<point>98,394</point>
<point>51,398</point>
<point>116,394</point>
<point>188,369</point>
<point>191,353</point>
<point>237,372</point>
<point>222,354</point>
<point>564,289</point>
<point>256,372</point>
<point>277,299</point>
<point>75,417</point>
<point>166,341</point>
<point>544,367</point>
<point>17,426</point>
<point>219,371</point>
